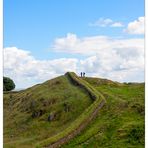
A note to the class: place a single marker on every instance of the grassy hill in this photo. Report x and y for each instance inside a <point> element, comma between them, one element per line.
<point>47,113</point>
<point>120,123</point>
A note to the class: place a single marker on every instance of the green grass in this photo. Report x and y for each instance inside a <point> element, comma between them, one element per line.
<point>95,95</point>
<point>58,96</point>
<point>119,124</point>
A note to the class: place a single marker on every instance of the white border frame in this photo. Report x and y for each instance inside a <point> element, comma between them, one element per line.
<point>1,73</point>
<point>146,74</point>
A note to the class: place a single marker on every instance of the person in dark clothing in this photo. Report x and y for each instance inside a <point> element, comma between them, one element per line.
<point>81,74</point>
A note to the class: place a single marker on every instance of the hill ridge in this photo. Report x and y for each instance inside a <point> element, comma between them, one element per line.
<point>82,121</point>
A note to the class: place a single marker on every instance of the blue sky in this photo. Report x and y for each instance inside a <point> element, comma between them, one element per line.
<point>34,25</point>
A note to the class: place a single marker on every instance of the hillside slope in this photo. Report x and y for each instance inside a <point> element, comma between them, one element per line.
<point>83,120</point>
<point>67,110</point>
<point>42,111</point>
<point>120,123</point>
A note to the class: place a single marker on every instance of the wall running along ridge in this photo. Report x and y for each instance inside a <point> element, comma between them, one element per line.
<point>82,121</point>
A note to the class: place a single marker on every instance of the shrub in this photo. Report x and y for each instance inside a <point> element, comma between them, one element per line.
<point>136,134</point>
<point>8,84</point>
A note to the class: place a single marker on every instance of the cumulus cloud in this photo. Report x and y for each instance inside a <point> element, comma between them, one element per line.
<point>106,57</point>
<point>101,22</point>
<point>136,27</point>
<point>114,67</point>
<point>26,70</point>
<point>116,59</point>
<point>97,45</point>
<point>117,24</point>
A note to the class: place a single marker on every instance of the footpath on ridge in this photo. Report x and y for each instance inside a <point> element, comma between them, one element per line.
<point>82,121</point>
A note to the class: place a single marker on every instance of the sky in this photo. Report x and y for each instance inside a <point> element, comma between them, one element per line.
<point>46,38</point>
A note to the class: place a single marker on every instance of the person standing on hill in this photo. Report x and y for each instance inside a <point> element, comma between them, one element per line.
<point>81,74</point>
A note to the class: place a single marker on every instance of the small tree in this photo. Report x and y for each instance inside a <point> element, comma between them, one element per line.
<point>8,84</point>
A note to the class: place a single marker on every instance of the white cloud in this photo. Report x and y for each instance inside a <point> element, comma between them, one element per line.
<point>106,23</point>
<point>102,22</point>
<point>115,67</point>
<point>136,27</point>
<point>97,45</point>
<point>117,59</point>
<point>107,57</point>
<point>117,24</point>
<point>26,70</point>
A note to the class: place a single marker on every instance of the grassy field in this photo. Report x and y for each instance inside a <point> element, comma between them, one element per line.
<point>120,124</point>
<point>45,110</point>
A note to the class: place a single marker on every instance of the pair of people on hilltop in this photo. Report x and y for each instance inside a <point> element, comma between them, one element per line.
<point>82,74</point>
